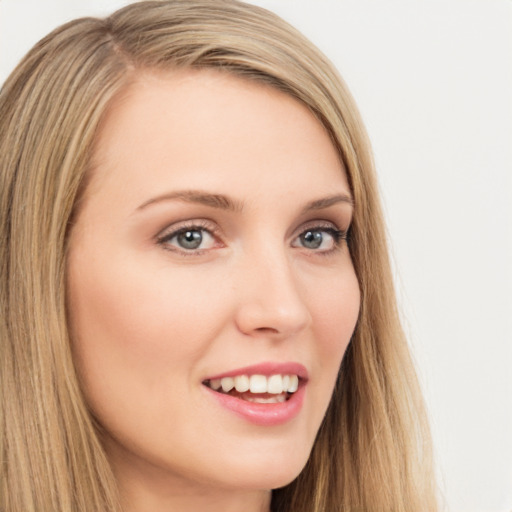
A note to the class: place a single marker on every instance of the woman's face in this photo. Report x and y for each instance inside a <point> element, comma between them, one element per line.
<point>209,250</point>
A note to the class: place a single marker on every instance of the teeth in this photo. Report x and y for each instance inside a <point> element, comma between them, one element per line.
<point>277,399</point>
<point>273,384</point>
<point>294,384</point>
<point>242,383</point>
<point>215,384</point>
<point>258,384</point>
<point>227,384</point>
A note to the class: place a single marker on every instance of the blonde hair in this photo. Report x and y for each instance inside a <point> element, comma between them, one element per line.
<point>372,452</point>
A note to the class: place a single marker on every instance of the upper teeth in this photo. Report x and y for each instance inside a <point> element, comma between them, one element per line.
<point>274,384</point>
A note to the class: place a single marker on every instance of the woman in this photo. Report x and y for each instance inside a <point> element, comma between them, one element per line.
<point>197,306</point>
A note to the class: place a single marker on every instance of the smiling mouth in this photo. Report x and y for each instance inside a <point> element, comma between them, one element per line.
<point>260,389</point>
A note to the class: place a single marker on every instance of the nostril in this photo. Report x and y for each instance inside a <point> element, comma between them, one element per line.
<point>267,330</point>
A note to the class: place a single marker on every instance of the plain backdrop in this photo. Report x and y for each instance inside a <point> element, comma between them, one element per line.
<point>433,80</point>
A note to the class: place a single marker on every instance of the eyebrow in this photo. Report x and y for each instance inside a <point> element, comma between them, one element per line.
<point>223,202</point>
<point>325,202</point>
<point>219,201</point>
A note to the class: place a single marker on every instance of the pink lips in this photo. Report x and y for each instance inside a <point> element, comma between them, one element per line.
<point>264,414</point>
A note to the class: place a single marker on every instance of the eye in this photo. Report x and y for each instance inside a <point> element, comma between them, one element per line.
<point>192,239</point>
<point>188,239</point>
<point>320,239</point>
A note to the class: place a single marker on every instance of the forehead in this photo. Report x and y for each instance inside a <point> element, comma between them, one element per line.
<point>185,127</point>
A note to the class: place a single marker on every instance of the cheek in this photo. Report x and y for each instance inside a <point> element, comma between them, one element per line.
<point>335,312</point>
<point>136,331</point>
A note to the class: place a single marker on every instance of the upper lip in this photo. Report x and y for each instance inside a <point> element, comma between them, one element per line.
<point>267,368</point>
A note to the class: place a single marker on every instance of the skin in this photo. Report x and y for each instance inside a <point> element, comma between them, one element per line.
<point>151,319</point>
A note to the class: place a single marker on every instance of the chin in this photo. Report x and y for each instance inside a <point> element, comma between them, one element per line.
<point>267,480</point>
<point>274,472</point>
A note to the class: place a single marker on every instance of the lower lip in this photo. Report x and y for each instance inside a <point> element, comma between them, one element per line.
<point>266,415</point>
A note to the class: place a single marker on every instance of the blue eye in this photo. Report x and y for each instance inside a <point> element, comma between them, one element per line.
<point>312,239</point>
<point>192,238</point>
<point>320,239</point>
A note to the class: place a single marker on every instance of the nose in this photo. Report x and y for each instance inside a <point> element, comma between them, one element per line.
<point>270,302</point>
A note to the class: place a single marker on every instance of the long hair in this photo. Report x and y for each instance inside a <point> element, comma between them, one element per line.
<point>372,452</point>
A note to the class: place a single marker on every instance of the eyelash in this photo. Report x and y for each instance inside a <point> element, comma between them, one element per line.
<point>199,225</point>
<point>337,235</point>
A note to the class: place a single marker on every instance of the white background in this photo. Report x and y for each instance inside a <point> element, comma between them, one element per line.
<point>433,80</point>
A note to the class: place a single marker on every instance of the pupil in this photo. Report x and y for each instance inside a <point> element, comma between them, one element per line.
<point>190,239</point>
<point>312,239</point>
